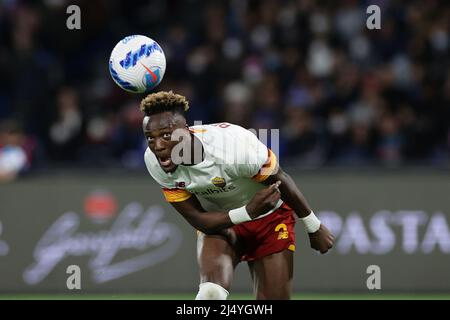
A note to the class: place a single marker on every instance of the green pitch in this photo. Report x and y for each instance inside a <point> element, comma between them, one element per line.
<point>236,296</point>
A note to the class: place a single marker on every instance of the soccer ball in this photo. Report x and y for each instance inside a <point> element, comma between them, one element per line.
<point>137,64</point>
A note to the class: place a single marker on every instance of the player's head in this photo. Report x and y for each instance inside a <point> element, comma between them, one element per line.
<point>164,113</point>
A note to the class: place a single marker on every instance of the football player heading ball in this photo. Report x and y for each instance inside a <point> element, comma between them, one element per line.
<point>234,193</point>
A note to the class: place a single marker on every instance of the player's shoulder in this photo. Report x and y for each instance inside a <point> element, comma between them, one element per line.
<point>222,129</point>
<point>224,135</point>
<point>230,144</point>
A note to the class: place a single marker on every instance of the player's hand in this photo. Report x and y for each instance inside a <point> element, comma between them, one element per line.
<point>264,200</point>
<point>322,240</point>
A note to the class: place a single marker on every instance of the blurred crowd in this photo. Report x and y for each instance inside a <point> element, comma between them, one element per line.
<point>341,94</point>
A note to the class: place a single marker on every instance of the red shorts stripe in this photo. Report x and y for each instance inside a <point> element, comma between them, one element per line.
<point>268,235</point>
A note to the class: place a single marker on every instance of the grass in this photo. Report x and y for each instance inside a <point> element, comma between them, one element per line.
<point>235,296</point>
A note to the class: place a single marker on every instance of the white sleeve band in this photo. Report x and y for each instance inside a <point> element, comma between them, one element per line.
<point>312,223</point>
<point>239,215</point>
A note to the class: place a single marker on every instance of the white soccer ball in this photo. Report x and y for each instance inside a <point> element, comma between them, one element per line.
<point>137,64</point>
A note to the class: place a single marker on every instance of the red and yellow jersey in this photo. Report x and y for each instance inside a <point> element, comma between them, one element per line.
<point>234,165</point>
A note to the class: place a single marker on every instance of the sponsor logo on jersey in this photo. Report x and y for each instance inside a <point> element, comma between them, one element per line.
<point>212,191</point>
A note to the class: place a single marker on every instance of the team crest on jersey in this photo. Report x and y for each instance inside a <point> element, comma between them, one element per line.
<point>218,182</point>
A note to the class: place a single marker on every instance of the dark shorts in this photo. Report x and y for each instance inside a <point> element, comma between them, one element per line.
<point>271,234</point>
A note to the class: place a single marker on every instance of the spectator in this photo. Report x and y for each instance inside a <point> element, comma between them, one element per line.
<point>341,94</point>
<point>65,132</point>
<point>13,156</point>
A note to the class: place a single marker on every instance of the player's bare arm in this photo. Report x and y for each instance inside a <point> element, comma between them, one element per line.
<point>214,221</point>
<point>321,240</point>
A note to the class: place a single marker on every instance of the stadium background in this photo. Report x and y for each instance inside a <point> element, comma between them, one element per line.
<point>364,129</point>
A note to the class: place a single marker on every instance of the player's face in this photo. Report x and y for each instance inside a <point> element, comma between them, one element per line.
<point>158,131</point>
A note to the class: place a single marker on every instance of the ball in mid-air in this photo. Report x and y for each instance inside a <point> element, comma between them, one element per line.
<point>137,64</point>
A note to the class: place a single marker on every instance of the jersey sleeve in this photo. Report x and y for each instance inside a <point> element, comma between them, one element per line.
<point>175,194</point>
<point>170,191</point>
<point>268,168</point>
<point>255,160</point>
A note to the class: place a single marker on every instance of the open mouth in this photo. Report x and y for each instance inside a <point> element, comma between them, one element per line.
<point>165,161</point>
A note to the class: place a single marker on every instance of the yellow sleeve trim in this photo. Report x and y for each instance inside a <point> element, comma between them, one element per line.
<point>268,168</point>
<point>176,195</point>
<point>197,130</point>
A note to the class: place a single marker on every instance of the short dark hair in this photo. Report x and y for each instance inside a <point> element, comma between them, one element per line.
<point>164,101</point>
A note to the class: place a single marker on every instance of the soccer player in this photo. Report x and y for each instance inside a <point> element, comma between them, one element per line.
<point>229,186</point>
